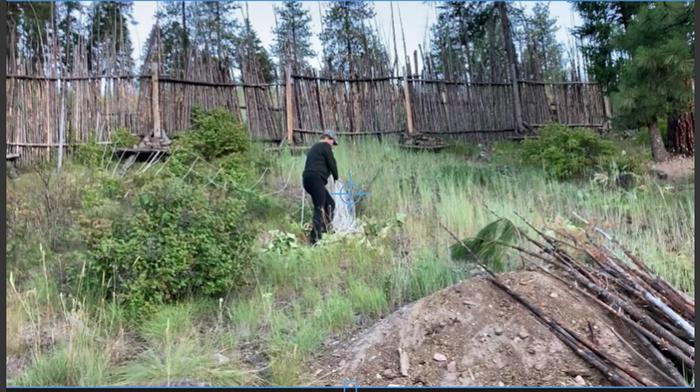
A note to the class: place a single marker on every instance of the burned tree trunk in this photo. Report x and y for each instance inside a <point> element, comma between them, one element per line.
<point>681,133</point>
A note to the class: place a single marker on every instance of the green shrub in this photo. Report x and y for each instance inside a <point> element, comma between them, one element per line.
<point>216,141</point>
<point>171,240</point>
<point>91,154</point>
<point>216,134</point>
<point>121,137</point>
<point>567,153</point>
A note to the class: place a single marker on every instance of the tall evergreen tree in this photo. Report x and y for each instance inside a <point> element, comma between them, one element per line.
<point>292,43</point>
<point>656,80</point>
<point>69,30</point>
<point>254,60</point>
<point>543,55</point>
<point>602,21</point>
<point>215,29</point>
<point>109,41</point>
<point>467,40</point>
<point>207,29</point>
<point>40,31</point>
<point>173,35</point>
<point>29,26</point>
<point>350,46</point>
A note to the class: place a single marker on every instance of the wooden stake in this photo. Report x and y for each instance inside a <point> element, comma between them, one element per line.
<point>508,40</point>
<point>288,94</point>
<point>407,100</point>
<point>155,105</point>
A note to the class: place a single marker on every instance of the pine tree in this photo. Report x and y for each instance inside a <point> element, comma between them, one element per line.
<point>109,36</point>
<point>467,40</point>
<point>216,30</point>
<point>656,80</point>
<point>292,43</point>
<point>542,57</point>
<point>350,47</point>
<point>602,21</point>
<point>254,61</point>
<point>69,30</point>
<point>29,26</point>
<point>172,35</point>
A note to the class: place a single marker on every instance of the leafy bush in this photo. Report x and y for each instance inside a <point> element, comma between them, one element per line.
<point>186,231</point>
<point>567,153</point>
<point>121,137</point>
<point>216,134</point>
<point>91,154</point>
<point>176,240</point>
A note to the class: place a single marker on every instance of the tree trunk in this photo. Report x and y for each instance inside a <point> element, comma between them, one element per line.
<point>658,151</point>
<point>681,133</point>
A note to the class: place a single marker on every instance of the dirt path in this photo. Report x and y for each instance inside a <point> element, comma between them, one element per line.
<point>474,334</point>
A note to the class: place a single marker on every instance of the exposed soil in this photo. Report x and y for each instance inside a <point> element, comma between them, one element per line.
<point>473,334</point>
<point>675,169</point>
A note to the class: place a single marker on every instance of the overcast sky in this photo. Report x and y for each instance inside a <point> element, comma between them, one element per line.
<point>417,18</point>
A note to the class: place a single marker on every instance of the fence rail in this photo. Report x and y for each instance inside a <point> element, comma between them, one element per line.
<point>91,107</point>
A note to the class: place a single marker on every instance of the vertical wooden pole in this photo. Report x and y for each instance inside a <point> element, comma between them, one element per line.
<point>155,104</point>
<point>407,101</point>
<point>288,94</point>
<point>318,101</point>
<point>510,50</point>
<point>61,127</point>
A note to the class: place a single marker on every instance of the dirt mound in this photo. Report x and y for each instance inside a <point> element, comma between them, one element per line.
<point>473,334</point>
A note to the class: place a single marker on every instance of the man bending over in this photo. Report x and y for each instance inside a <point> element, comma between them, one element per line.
<point>320,163</point>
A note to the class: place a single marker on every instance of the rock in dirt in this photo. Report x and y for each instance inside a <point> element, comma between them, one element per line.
<point>554,295</point>
<point>660,174</point>
<point>439,357</point>
<point>498,331</point>
<point>403,362</point>
<point>579,380</point>
<point>501,384</point>
<point>388,374</point>
<point>523,334</point>
<point>452,367</point>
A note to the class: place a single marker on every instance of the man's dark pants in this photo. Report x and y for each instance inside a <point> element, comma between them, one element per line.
<point>324,205</point>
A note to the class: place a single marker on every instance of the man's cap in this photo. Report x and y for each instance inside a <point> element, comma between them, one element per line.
<point>331,134</point>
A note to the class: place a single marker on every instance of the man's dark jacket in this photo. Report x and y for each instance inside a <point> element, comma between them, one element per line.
<point>320,161</point>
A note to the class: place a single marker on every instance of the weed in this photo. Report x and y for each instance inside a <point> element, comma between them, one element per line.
<point>336,312</point>
<point>367,300</point>
<point>166,322</point>
<point>82,363</point>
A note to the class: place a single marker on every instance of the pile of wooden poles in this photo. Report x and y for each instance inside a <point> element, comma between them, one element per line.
<point>660,316</point>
